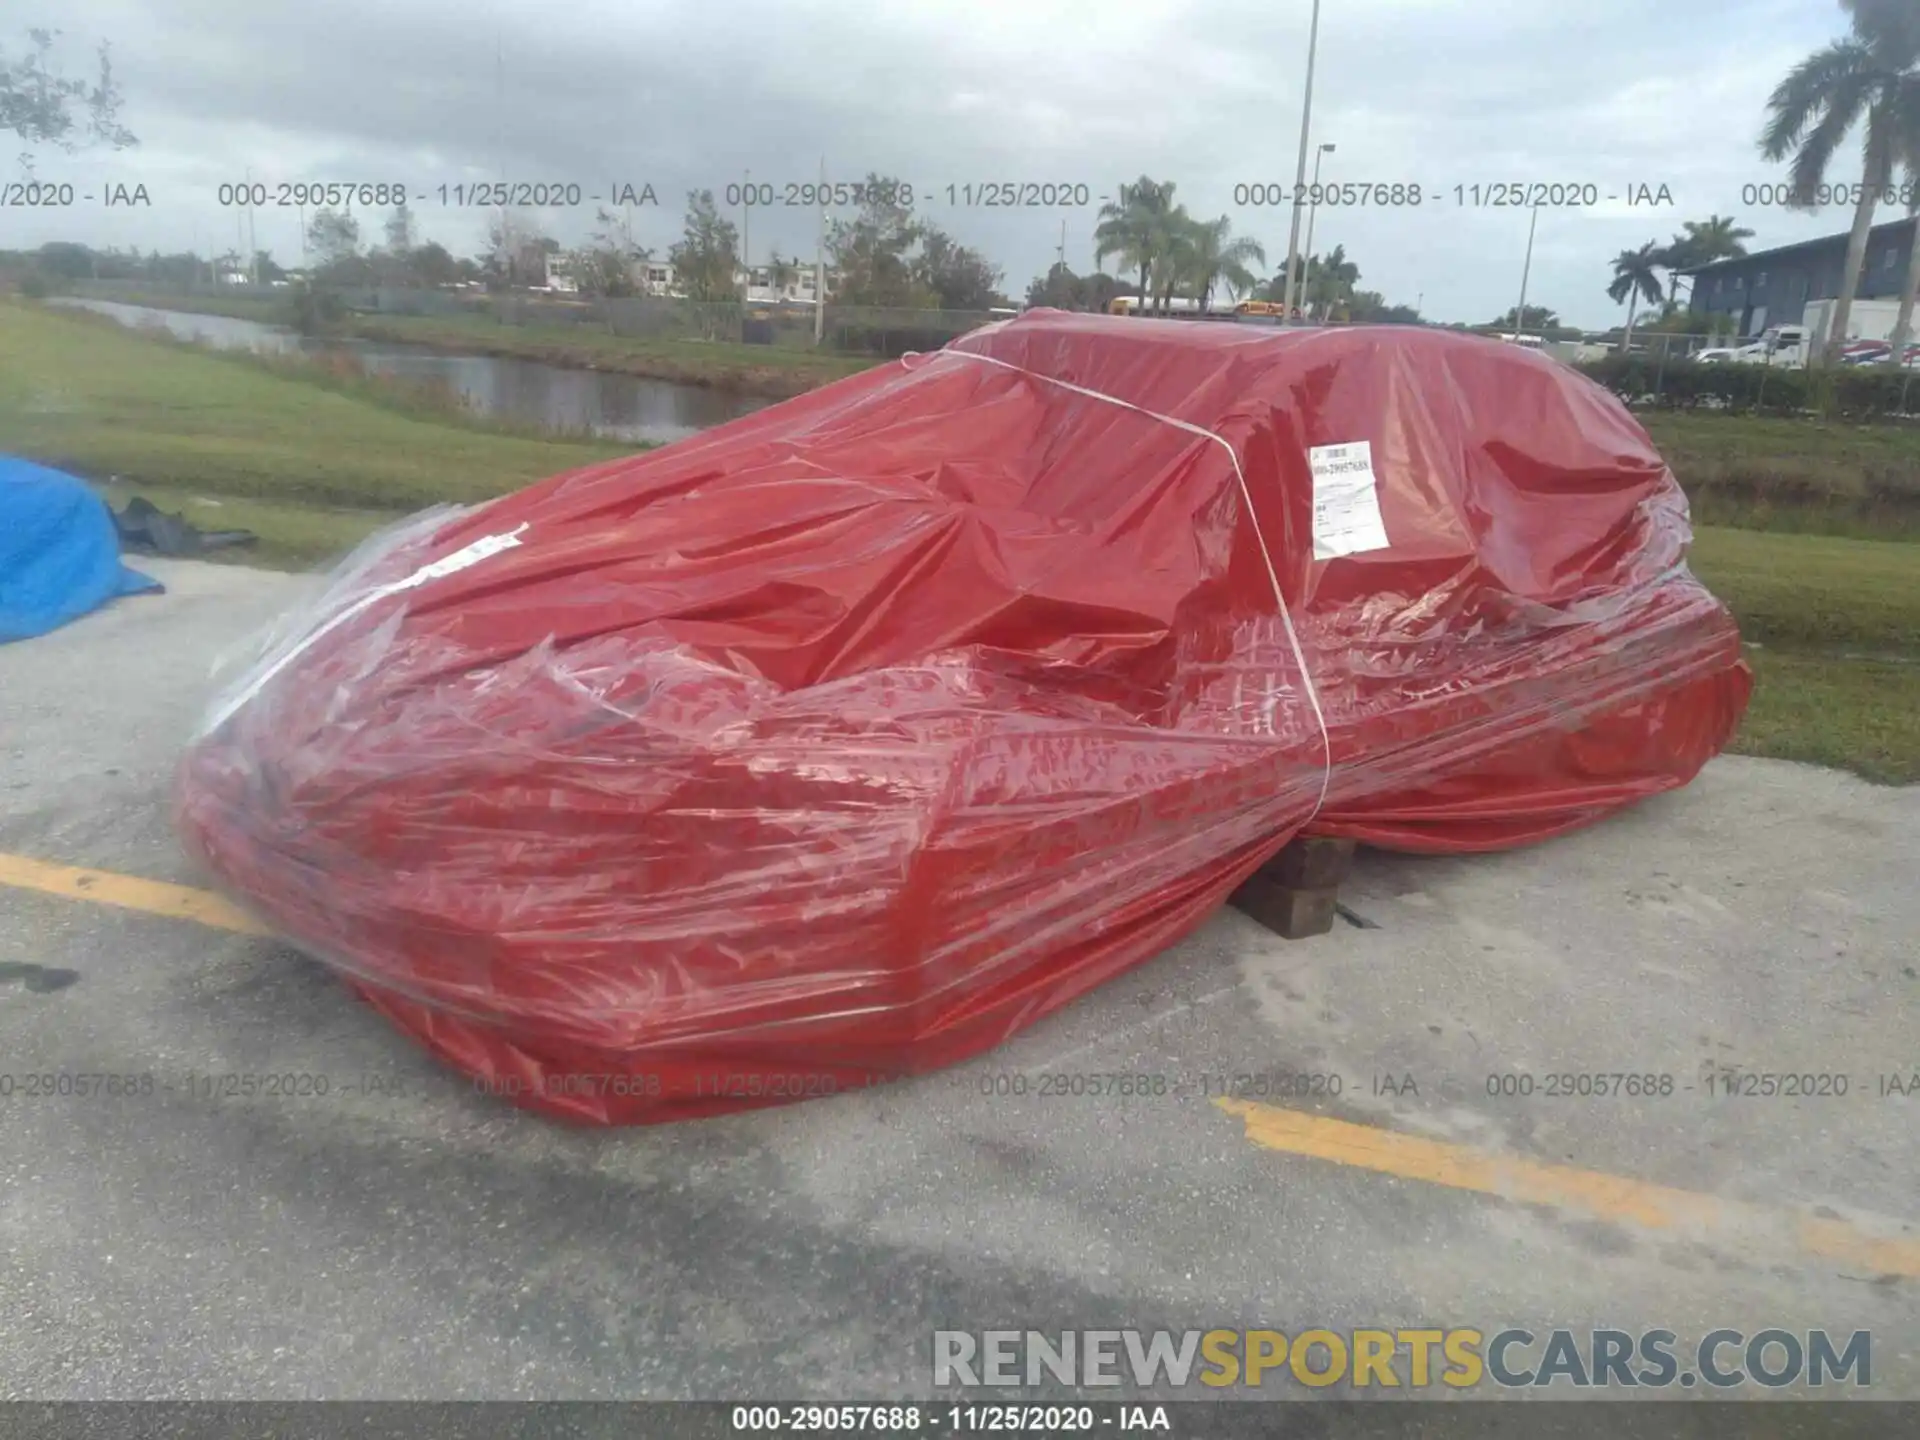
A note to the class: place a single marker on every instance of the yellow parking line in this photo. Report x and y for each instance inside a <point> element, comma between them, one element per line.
<point>1616,1198</point>
<point>1837,1240</point>
<point>1410,1157</point>
<point>129,892</point>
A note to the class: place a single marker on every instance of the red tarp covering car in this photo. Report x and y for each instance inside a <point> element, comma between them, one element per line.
<point>844,740</point>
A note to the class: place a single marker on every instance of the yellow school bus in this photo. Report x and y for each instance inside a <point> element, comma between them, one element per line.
<point>1179,306</point>
<point>1248,309</point>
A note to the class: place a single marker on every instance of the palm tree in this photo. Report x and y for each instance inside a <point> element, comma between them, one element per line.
<point>1219,260</point>
<point>1903,322</point>
<point>1702,242</point>
<point>1178,249</point>
<point>1870,78</point>
<point>1327,280</point>
<point>1636,274</point>
<point>1133,229</point>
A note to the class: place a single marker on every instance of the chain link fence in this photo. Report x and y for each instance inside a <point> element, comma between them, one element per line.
<point>1745,376</point>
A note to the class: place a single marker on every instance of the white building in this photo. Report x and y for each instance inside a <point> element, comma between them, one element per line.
<point>655,277</point>
<point>797,287</point>
<point>560,279</point>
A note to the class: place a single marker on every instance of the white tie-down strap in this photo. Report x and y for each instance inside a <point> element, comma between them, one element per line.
<point>1253,519</point>
<point>460,559</point>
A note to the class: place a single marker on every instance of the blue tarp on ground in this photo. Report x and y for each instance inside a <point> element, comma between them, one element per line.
<point>59,552</point>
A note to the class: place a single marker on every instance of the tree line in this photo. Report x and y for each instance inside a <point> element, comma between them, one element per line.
<point>1169,254</point>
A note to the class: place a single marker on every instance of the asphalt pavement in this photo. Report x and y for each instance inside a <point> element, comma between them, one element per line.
<point>404,1237</point>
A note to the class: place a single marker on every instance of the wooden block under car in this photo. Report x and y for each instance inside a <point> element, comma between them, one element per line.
<point>1295,894</point>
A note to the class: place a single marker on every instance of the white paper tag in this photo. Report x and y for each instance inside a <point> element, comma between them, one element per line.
<point>1346,500</point>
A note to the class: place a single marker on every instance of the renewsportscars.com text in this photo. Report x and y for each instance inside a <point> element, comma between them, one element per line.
<point>1401,1358</point>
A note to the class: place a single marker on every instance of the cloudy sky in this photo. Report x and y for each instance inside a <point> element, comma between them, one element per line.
<point>1615,94</point>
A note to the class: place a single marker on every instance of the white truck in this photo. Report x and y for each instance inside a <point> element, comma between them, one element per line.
<point>1778,345</point>
<point>1867,321</point>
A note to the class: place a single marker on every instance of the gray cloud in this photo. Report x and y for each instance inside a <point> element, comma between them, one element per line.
<point>685,95</point>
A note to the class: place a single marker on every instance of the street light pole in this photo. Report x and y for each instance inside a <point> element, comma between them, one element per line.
<point>1300,171</point>
<point>1313,209</point>
<point>1520,314</point>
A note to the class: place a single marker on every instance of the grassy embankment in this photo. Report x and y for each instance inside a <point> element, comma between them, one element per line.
<point>313,461</point>
<point>1755,472</point>
<point>1833,628</point>
<point>774,371</point>
<point>1819,477</point>
<point>309,458</point>
<point>770,370</point>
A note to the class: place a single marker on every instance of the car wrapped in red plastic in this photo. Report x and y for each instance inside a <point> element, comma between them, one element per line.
<point>844,740</point>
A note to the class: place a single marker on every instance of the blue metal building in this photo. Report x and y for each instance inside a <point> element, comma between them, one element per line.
<point>1772,287</point>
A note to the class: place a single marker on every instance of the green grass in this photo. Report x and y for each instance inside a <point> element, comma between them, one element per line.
<point>1858,715</point>
<point>1813,591</point>
<point>773,370</point>
<point>94,398</point>
<point>342,372</point>
<point>1833,627</point>
<point>1802,475</point>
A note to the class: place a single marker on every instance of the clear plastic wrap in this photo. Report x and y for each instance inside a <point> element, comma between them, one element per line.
<point>844,740</point>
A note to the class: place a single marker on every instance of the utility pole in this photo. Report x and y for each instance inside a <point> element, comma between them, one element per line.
<point>507,238</point>
<point>1520,314</point>
<point>820,262</point>
<point>253,237</point>
<point>1300,172</point>
<point>746,242</point>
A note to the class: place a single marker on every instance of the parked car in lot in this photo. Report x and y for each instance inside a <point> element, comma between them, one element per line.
<point>1876,352</point>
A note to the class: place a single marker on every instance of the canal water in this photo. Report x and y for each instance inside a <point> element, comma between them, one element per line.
<point>529,392</point>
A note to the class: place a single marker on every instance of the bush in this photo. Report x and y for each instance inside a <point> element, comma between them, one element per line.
<point>890,342</point>
<point>313,310</point>
<point>34,286</point>
<point>1850,392</point>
